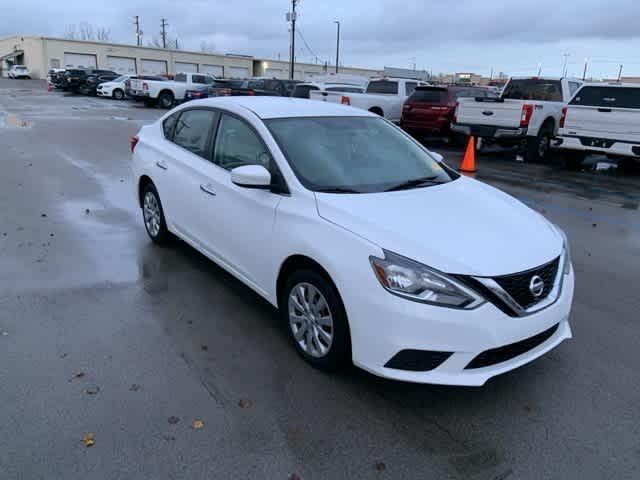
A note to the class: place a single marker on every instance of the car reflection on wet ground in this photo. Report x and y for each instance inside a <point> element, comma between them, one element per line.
<point>179,371</point>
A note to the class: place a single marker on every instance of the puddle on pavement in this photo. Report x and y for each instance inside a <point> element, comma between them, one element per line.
<point>9,120</point>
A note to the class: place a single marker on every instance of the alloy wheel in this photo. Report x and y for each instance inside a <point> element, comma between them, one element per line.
<point>310,320</point>
<point>152,214</point>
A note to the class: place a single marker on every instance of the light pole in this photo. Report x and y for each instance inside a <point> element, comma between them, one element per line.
<point>337,46</point>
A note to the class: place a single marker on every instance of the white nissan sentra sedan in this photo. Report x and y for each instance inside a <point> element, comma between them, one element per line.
<point>374,251</point>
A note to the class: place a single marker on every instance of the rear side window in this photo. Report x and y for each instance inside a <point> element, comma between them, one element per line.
<point>181,77</point>
<point>429,95</point>
<point>534,89</point>
<point>608,97</point>
<point>193,130</point>
<point>383,86</point>
<point>302,91</point>
<point>199,79</point>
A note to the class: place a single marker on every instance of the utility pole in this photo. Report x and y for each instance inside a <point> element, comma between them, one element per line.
<point>164,25</point>
<point>539,69</point>
<point>620,73</point>
<point>491,74</point>
<point>564,67</point>
<point>292,52</point>
<point>138,32</point>
<point>584,73</point>
<point>337,45</point>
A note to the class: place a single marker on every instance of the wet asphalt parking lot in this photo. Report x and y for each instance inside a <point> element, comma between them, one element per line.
<point>103,333</point>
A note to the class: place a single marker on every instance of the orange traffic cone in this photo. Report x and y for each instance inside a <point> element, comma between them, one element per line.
<point>469,161</point>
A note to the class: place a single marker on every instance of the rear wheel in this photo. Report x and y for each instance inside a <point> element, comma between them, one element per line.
<point>153,215</point>
<point>166,100</point>
<point>538,147</point>
<point>316,320</point>
<point>118,94</point>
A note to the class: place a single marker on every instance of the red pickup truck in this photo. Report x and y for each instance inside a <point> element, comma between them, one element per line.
<point>429,110</point>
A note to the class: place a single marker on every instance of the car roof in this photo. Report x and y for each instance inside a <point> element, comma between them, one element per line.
<point>284,107</point>
<point>611,84</point>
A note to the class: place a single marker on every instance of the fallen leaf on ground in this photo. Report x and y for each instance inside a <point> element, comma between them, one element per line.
<point>244,403</point>
<point>77,375</point>
<point>87,211</point>
<point>43,215</point>
<point>92,390</point>
<point>135,387</point>
<point>198,424</point>
<point>380,466</point>
<point>173,420</point>
<point>88,440</point>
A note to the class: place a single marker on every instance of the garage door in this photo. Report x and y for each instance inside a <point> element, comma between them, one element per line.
<point>124,65</point>
<point>154,67</point>
<point>215,70</point>
<point>274,73</point>
<point>182,67</point>
<point>237,72</point>
<point>79,60</point>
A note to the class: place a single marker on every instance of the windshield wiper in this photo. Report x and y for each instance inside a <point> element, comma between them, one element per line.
<point>337,190</point>
<point>415,183</point>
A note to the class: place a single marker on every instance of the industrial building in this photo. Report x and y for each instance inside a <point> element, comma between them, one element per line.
<point>39,54</point>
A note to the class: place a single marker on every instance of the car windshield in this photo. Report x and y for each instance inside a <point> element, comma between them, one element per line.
<point>355,155</point>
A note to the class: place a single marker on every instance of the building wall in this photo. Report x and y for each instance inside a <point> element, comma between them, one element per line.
<point>304,71</point>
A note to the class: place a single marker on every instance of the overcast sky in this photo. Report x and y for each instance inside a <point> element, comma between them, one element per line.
<point>442,36</point>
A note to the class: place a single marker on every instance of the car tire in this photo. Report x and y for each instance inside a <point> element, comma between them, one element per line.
<point>166,100</point>
<point>537,148</point>
<point>572,159</point>
<point>118,94</point>
<point>319,317</point>
<point>153,216</point>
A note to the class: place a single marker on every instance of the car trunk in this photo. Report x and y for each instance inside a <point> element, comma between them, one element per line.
<point>505,113</point>
<point>429,106</point>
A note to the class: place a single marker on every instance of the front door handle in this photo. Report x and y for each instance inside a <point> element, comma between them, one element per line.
<point>161,165</point>
<point>208,189</point>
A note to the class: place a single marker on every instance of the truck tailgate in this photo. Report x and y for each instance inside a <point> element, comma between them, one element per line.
<point>331,97</point>
<point>613,123</point>
<point>500,114</point>
<point>136,84</point>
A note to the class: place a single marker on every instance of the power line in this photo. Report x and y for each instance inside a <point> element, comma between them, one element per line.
<point>306,44</point>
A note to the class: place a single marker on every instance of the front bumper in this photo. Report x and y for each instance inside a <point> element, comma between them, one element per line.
<point>597,145</point>
<point>489,131</point>
<point>103,92</point>
<point>384,325</point>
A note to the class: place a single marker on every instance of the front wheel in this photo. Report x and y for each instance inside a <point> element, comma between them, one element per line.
<point>153,215</point>
<point>166,100</point>
<point>118,94</point>
<point>316,319</point>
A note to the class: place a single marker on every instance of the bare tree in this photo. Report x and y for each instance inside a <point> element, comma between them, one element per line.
<point>207,47</point>
<point>103,34</point>
<point>70,32</point>
<point>155,42</point>
<point>87,31</point>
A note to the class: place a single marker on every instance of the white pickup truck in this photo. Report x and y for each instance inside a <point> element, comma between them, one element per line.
<point>601,118</point>
<point>167,93</point>
<point>527,113</point>
<point>384,96</point>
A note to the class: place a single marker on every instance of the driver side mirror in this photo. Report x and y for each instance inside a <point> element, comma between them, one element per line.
<point>251,176</point>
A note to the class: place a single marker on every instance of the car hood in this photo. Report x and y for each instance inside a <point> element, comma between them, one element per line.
<point>110,84</point>
<point>462,227</point>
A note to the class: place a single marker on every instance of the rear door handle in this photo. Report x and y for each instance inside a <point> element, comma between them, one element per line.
<point>604,110</point>
<point>162,165</point>
<point>208,189</point>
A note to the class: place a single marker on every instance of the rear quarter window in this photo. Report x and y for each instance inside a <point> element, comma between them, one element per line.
<point>383,86</point>
<point>169,125</point>
<point>181,77</point>
<point>608,97</point>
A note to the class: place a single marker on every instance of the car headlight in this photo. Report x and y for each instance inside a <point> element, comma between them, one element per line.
<point>414,281</point>
<point>567,251</point>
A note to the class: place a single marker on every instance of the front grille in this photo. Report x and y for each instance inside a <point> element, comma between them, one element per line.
<point>503,354</point>
<point>518,285</point>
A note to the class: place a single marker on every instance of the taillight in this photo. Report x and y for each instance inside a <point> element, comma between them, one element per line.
<point>134,142</point>
<point>251,93</point>
<point>145,86</point>
<point>345,100</point>
<point>563,117</point>
<point>527,112</point>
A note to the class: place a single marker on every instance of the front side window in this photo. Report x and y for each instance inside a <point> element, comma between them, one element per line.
<point>354,155</point>
<point>193,129</point>
<point>410,87</point>
<point>199,79</point>
<point>237,145</point>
